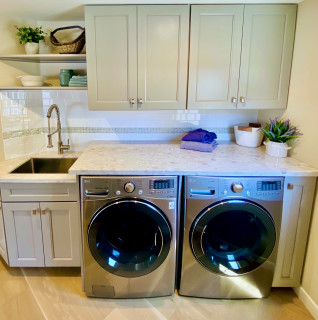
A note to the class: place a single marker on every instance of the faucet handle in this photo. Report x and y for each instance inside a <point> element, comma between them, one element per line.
<point>49,145</point>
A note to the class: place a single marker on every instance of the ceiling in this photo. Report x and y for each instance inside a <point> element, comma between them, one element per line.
<point>74,9</point>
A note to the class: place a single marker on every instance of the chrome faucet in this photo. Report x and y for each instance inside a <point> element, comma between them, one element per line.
<point>61,146</point>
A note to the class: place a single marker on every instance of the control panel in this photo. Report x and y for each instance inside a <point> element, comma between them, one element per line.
<point>95,188</point>
<point>261,188</point>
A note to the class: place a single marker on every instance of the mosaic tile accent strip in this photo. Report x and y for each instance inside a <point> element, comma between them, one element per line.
<point>37,131</point>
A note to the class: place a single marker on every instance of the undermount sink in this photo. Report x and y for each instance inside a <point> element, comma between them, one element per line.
<point>45,165</point>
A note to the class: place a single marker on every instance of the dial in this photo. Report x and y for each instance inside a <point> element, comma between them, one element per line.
<point>237,187</point>
<point>129,187</point>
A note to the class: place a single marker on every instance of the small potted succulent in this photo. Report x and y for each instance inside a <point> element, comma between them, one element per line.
<point>279,132</point>
<point>30,37</point>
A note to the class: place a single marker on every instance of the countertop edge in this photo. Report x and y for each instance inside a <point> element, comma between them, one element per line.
<point>201,173</point>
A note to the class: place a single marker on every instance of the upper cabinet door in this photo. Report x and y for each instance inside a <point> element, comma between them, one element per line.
<point>111,57</point>
<point>267,48</point>
<point>215,48</point>
<point>163,33</point>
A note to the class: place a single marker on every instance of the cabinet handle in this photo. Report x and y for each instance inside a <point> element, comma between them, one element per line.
<point>132,101</point>
<point>140,101</point>
<point>34,212</point>
<point>242,100</point>
<point>45,211</point>
<point>234,100</point>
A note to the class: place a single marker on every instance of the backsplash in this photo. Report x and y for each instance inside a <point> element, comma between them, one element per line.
<point>24,121</point>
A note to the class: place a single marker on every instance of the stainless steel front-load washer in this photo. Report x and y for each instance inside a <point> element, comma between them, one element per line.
<point>230,236</point>
<point>129,235</point>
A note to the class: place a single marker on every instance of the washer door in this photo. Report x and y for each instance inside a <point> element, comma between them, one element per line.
<point>233,237</point>
<point>129,237</point>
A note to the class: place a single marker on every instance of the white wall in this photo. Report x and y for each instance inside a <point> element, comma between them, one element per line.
<point>303,112</point>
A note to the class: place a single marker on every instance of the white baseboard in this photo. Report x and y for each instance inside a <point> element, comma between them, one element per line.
<point>307,301</point>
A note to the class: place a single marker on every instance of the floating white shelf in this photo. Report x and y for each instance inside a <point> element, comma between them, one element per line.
<point>43,88</point>
<point>44,57</point>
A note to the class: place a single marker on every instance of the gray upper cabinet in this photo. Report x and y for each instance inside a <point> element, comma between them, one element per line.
<point>267,49</point>
<point>137,56</point>
<point>111,34</point>
<point>240,56</point>
<point>215,50</point>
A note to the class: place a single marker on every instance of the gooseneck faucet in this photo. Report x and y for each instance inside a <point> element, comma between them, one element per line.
<point>61,146</point>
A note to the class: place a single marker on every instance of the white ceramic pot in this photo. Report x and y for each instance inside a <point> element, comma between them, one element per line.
<point>276,149</point>
<point>31,48</point>
<point>31,81</point>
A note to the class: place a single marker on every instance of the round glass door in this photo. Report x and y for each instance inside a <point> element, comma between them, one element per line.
<point>233,237</point>
<point>129,238</point>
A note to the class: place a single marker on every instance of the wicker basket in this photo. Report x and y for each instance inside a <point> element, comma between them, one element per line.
<point>74,46</point>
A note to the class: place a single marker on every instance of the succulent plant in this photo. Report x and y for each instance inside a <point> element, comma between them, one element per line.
<point>280,130</point>
<point>28,34</point>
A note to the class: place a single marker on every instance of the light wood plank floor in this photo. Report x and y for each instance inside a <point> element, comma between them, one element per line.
<point>56,294</point>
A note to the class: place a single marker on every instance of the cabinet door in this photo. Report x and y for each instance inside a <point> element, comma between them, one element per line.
<point>297,207</point>
<point>215,48</point>
<point>24,234</point>
<point>163,33</point>
<point>3,244</point>
<point>61,229</point>
<point>267,49</point>
<point>111,57</point>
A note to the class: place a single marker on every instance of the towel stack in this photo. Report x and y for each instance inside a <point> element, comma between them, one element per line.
<point>78,81</point>
<point>199,140</point>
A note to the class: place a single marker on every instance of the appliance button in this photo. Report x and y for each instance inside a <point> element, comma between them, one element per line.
<point>225,192</point>
<point>118,192</point>
<point>237,187</point>
<point>248,193</point>
<point>129,187</point>
<point>140,192</point>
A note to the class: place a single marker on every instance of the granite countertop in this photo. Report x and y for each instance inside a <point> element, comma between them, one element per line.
<point>8,165</point>
<point>227,159</point>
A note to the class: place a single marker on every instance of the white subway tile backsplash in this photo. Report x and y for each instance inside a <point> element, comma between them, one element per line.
<point>24,121</point>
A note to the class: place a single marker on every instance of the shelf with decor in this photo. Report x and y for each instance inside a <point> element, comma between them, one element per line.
<point>48,65</point>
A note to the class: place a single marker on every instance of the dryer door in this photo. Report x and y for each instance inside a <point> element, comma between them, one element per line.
<point>233,237</point>
<point>129,237</point>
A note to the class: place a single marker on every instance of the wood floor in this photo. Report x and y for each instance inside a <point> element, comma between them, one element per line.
<point>56,294</point>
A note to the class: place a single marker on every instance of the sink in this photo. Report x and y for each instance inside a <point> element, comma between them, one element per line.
<point>45,165</point>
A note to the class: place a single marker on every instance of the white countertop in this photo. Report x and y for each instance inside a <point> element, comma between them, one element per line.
<point>8,165</point>
<point>168,159</point>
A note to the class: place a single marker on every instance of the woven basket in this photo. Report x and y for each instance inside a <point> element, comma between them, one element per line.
<point>74,46</point>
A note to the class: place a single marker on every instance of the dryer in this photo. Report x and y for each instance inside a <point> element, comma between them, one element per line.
<point>129,235</point>
<point>230,236</point>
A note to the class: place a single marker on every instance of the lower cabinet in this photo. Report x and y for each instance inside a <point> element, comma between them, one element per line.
<point>3,244</point>
<point>43,234</point>
<point>297,208</point>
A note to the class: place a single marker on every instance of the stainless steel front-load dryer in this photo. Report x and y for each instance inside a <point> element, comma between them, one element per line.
<point>129,236</point>
<point>230,236</point>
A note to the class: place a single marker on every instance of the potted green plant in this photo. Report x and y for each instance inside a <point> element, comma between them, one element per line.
<point>30,37</point>
<point>279,132</point>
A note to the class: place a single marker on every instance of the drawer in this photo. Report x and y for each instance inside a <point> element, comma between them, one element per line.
<point>13,192</point>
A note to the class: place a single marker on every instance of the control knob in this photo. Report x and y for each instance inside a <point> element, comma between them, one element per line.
<point>129,187</point>
<point>237,187</point>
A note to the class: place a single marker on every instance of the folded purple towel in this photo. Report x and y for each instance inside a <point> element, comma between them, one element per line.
<point>200,135</point>
<point>198,146</point>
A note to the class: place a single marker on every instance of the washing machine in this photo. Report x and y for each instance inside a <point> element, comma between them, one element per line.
<point>230,236</point>
<point>129,235</point>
